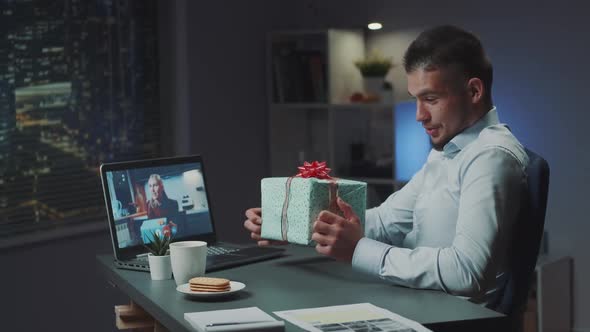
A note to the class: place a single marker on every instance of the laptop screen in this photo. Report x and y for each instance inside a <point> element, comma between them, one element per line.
<point>164,197</point>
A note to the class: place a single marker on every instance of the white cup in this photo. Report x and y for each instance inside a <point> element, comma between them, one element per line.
<point>160,267</point>
<point>189,259</point>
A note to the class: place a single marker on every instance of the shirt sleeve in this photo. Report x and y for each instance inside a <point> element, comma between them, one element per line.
<point>393,219</point>
<point>492,183</point>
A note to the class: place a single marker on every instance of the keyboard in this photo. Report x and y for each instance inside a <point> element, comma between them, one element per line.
<point>218,258</point>
<point>230,257</point>
<point>213,250</point>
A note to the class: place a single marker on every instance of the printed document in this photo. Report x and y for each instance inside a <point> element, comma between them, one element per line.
<point>352,317</point>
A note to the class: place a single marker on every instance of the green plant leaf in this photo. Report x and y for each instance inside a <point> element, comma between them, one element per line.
<point>159,244</point>
<point>374,65</point>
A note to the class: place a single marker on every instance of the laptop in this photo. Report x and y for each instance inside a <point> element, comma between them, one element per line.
<point>166,196</point>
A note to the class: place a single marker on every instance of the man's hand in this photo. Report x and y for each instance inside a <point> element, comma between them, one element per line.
<point>336,236</point>
<point>254,225</point>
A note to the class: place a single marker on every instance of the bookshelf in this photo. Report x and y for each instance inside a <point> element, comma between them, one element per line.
<point>311,76</point>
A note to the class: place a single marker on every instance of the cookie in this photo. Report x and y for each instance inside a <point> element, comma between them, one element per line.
<point>211,287</point>
<point>209,282</point>
<point>209,290</point>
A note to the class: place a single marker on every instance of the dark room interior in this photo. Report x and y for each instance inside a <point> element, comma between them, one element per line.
<point>215,98</point>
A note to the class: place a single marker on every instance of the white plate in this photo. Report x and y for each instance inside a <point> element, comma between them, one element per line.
<point>235,286</point>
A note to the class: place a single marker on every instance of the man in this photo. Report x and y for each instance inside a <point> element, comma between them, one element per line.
<point>449,227</point>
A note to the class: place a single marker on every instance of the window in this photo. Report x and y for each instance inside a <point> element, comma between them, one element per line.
<point>78,86</point>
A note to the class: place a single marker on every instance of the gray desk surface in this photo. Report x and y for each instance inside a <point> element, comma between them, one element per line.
<point>302,279</point>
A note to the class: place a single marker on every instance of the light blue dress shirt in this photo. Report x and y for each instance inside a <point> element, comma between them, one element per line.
<point>449,227</point>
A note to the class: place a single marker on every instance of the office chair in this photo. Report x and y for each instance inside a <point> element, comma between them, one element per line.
<point>525,244</point>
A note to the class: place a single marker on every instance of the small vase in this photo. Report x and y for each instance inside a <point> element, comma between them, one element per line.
<point>373,85</point>
<point>160,267</point>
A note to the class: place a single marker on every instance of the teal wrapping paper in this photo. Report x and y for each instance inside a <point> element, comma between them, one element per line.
<point>306,198</point>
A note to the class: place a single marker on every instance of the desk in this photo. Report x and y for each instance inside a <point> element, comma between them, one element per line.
<point>303,279</point>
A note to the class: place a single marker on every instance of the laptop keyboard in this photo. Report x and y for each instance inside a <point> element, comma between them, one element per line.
<point>232,256</point>
<point>211,251</point>
<point>218,258</point>
<point>214,251</point>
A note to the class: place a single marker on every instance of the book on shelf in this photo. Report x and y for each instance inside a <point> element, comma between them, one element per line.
<point>299,76</point>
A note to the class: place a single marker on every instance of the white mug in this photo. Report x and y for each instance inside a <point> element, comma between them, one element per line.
<point>189,259</point>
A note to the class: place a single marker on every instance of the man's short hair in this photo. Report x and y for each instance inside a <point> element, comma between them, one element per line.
<point>449,46</point>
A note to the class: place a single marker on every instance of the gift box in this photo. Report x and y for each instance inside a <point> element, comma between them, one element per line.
<point>290,205</point>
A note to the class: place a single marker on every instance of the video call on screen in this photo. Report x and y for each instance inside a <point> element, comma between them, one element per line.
<point>166,200</point>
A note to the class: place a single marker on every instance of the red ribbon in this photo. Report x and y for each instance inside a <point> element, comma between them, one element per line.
<point>316,169</point>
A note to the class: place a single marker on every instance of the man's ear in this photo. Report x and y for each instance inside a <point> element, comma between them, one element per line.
<point>476,91</point>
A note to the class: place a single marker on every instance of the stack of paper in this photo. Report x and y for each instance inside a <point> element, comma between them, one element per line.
<point>351,317</point>
<point>243,319</point>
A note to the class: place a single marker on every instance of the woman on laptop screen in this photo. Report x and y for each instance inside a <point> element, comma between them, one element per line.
<point>159,205</point>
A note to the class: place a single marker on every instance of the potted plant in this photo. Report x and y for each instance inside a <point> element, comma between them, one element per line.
<point>374,65</point>
<point>159,257</point>
<point>374,68</point>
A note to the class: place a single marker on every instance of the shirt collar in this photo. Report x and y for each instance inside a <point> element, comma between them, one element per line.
<point>470,134</point>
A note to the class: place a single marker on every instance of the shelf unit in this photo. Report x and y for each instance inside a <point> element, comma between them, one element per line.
<point>311,76</point>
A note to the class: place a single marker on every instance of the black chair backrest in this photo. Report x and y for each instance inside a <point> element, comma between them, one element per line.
<point>526,241</point>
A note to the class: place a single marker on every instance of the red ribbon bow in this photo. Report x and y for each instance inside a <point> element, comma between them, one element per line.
<point>314,170</point>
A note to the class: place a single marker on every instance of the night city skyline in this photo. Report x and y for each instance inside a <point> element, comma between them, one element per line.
<point>78,86</point>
